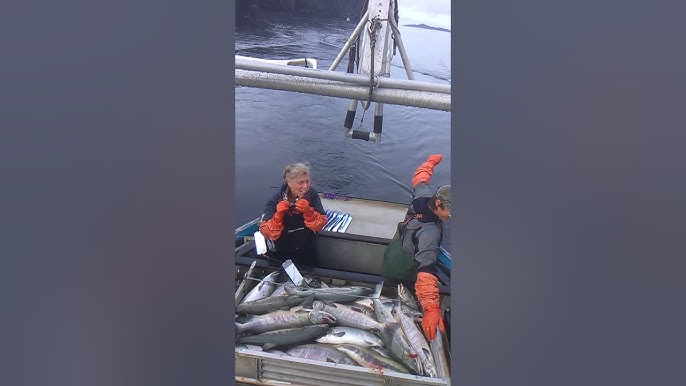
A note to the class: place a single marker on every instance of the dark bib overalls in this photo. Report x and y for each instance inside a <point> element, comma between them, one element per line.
<point>297,242</point>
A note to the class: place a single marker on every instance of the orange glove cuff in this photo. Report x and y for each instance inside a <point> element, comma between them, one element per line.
<point>426,288</point>
<point>271,229</point>
<point>309,214</point>
<point>277,218</point>
<point>315,221</point>
<point>423,173</point>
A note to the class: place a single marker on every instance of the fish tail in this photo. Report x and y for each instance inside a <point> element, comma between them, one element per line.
<point>377,291</point>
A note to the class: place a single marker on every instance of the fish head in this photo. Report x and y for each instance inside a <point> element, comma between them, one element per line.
<point>395,310</point>
<point>430,369</point>
<point>343,349</point>
<point>317,305</point>
<point>365,291</point>
<point>404,294</point>
<point>346,348</point>
<point>356,308</point>
<point>321,317</point>
<point>290,288</point>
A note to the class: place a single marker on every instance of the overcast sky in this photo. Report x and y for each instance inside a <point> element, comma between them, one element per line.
<point>435,13</point>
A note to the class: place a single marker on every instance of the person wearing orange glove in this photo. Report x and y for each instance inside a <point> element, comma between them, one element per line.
<point>412,255</point>
<point>293,217</point>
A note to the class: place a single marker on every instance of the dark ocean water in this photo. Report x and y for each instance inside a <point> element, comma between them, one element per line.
<point>275,128</point>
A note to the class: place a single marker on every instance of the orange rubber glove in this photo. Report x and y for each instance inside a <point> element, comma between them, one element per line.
<point>426,289</point>
<point>313,220</point>
<point>281,209</point>
<point>435,159</point>
<point>425,170</point>
<point>303,206</point>
<point>272,228</point>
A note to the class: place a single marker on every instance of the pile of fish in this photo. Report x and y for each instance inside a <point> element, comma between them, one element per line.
<point>337,221</point>
<point>350,325</point>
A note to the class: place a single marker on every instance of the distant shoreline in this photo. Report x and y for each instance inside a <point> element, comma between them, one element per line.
<point>426,27</point>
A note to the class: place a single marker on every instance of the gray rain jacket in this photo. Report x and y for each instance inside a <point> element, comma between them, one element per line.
<point>422,238</point>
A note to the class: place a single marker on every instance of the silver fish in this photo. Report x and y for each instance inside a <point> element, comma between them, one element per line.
<point>279,320</point>
<point>369,311</point>
<point>367,302</point>
<point>338,225</point>
<point>286,337</point>
<point>263,289</point>
<point>345,225</point>
<point>416,314</point>
<point>335,294</point>
<point>275,351</point>
<point>383,314</point>
<point>438,351</point>
<point>330,215</point>
<point>417,341</point>
<point>381,351</point>
<point>320,352</point>
<point>400,349</point>
<point>347,317</point>
<point>394,339</point>
<point>350,335</point>
<point>407,297</point>
<point>371,359</point>
<point>280,289</point>
<point>271,304</point>
<point>249,347</point>
<point>332,221</point>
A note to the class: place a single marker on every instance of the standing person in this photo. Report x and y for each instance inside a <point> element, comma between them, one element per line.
<point>293,217</point>
<point>412,255</point>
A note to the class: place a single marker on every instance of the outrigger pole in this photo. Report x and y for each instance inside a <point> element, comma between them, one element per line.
<point>372,82</point>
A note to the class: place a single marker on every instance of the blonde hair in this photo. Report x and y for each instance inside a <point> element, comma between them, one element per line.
<point>292,171</point>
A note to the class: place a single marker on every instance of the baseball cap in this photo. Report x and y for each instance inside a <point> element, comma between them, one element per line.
<point>443,194</point>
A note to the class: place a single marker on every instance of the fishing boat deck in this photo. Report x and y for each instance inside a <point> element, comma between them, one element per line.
<point>370,218</point>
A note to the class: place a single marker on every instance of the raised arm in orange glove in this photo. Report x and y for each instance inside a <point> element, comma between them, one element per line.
<point>425,170</point>
<point>313,219</point>
<point>272,228</point>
